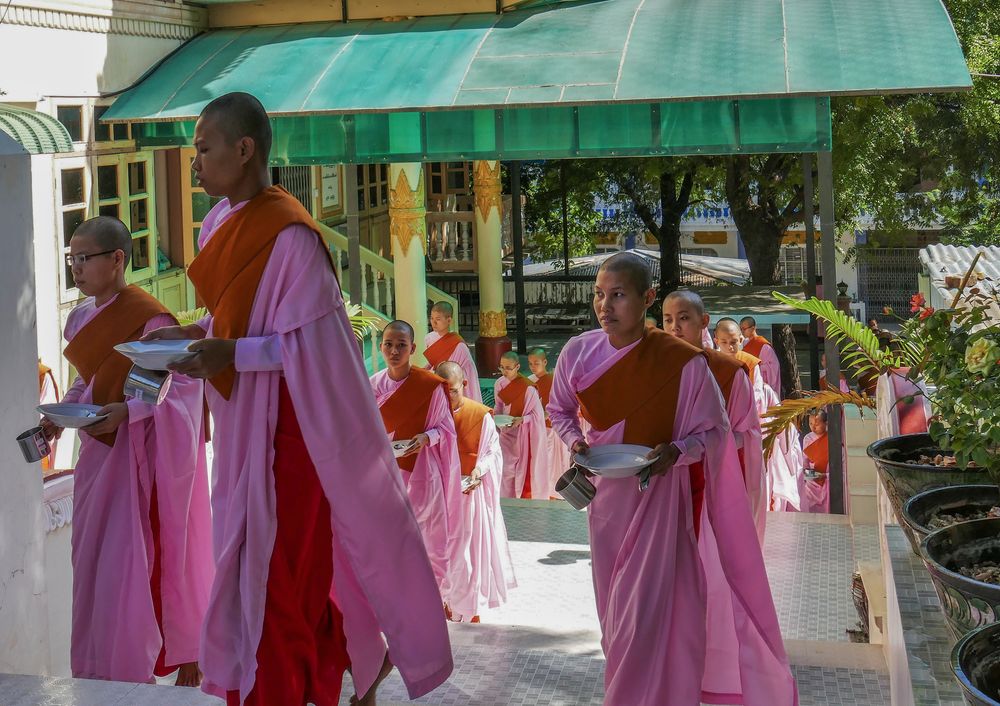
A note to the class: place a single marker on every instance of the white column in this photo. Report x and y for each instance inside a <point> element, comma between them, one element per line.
<point>23,616</point>
<point>408,228</point>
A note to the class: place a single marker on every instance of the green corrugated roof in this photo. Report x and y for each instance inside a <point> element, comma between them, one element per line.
<point>37,132</point>
<point>561,79</point>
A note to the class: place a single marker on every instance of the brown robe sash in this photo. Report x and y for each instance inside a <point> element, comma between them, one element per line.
<point>752,363</point>
<point>442,348</point>
<point>544,387</point>
<point>724,369</point>
<point>643,389</point>
<point>227,272</point>
<point>469,425</point>
<point>92,351</point>
<point>755,345</point>
<point>514,395</point>
<point>404,414</point>
<point>819,453</point>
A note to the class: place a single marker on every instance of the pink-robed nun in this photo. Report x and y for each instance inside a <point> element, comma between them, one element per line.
<point>443,344</point>
<point>481,540</point>
<point>684,605</point>
<point>320,565</point>
<point>414,407</point>
<point>142,565</point>
<point>525,449</point>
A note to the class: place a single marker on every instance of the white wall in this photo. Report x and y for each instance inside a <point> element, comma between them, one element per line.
<point>23,611</point>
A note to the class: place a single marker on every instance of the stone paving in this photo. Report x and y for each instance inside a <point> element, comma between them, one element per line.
<point>543,647</point>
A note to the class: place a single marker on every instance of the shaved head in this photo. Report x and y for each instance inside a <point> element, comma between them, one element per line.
<point>728,326</point>
<point>443,308</point>
<point>452,372</point>
<point>240,115</point>
<point>399,326</point>
<point>107,233</point>
<point>511,355</point>
<point>693,300</point>
<point>634,268</point>
<point>540,352</point>
<point>748,321</point>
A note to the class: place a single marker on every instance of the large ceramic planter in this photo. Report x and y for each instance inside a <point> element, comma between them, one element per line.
<point>967,603</point>
<point>903,479</point>
<point>918,510</point>
<point>976,664</point>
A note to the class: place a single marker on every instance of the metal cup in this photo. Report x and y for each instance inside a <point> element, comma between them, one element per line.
<point>147,385</point>
<point>34,446</point>
<point>576,488</point>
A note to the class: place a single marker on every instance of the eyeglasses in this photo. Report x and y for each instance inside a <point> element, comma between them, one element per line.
<point>81,258</point>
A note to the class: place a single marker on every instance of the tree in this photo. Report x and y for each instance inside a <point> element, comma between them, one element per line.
<point>656,192</point>
<point>544,184</point>
<point>766,196</point>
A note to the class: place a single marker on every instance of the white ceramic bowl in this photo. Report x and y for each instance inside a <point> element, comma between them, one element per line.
<point>615,460</point>
<point>71,415</point>
<point>156,355</point>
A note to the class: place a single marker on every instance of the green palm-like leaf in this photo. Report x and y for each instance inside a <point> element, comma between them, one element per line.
<point>361,325</point>
<point>787,412</point>
<point>860,348</point>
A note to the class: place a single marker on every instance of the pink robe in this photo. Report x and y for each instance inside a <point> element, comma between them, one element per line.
<point>745,424</point>
<point>683,620</point>
<point>896,415</point>
<point>298,327</point>
<point>115,635</point>
<point>435,485</point>
<point>482,535</point>
<point>524,447</point>
<point>815,496</point>
<point>559,457</point>
<point>770,368</point>
<point>463,356</point>
<point>784,467</point>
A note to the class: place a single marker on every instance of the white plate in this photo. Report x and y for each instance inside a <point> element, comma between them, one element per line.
<point>71,415</point>
<point>504,420</point>
<point>615,460</point>
<point>155,355</point>
<point>401,446</point>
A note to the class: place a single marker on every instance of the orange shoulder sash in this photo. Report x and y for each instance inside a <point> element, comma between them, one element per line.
<point>92,350</point>
<point>405,413</point>
<point>724,369</point>
<point>469,426</point>
<point>227,272</point>
<point>642,389</point>
<point>819,453</point>
<point>442,348</point>
<point>513,395</point>
<point>755,345</point>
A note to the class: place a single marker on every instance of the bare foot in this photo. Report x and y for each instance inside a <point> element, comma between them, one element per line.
<point>189,675</point>
<point>369,698</point>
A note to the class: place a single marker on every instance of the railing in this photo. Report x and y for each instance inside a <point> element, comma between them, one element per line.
<point>450,234</point>
<point>378,285</point>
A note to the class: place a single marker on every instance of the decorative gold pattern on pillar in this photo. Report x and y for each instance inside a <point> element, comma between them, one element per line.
<point>487,188</point>
<point>492,324</point>
<point>407,212</point>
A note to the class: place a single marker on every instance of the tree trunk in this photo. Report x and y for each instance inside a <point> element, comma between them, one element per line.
<point>670,255</point>
<point>762,233</point>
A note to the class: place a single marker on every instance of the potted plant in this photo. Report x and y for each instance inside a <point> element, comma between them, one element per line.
<point>976,664</point>
<point>955,351</point>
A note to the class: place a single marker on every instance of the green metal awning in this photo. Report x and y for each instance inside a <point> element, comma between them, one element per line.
<point>37,132</point>
<point>584,78</point>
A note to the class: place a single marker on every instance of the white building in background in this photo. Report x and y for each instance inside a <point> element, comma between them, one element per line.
<point>66,60</point>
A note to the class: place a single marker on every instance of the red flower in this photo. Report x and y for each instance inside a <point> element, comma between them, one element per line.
<point>887,310</point>
<point>917,301</point>
<point>926,312</point>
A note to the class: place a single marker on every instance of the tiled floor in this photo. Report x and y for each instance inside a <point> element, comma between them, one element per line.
<point>543,647</point>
